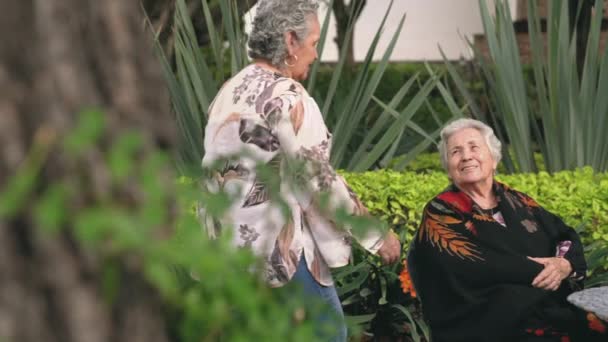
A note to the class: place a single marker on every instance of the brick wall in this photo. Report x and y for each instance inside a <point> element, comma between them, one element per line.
<point>522,9</point>
<point>542,5</point>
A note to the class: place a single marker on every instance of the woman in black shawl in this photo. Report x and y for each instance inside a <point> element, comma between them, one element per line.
<point>488,262</point>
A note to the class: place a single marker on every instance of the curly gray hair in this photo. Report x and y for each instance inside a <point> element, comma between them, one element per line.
<point>273,18</point>
<point>486,131</point>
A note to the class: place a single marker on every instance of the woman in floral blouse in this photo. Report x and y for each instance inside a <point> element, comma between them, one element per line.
<point>488,262</point>
<point>263,115</point>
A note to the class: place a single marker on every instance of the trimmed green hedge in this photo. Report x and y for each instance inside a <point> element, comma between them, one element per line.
<point>578,197</point>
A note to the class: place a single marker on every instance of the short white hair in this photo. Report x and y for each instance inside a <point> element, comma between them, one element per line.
<point>457,125</point>
<point>272,19</point>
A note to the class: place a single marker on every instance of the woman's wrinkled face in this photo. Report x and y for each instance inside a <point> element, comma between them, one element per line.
<point>469,159</point>
<point>305,49</point>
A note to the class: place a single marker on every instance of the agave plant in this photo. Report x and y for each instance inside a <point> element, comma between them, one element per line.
<point>195,80</point>
<point>571,107</point>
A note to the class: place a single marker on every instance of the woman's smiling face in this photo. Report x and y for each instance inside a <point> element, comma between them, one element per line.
<point>469,158</point>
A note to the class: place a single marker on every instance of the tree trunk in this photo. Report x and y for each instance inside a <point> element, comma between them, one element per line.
<point>57,58</point>
<point>344,15</point>
<point>161,14</point>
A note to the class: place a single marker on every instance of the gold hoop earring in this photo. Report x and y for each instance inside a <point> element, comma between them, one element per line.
<point>290,65</point>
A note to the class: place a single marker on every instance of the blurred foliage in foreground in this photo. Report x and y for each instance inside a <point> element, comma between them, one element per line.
<point>158,236</point>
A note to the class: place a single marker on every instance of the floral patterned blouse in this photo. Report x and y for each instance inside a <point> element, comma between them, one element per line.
<point>471,269</point>
<point>261,117</point>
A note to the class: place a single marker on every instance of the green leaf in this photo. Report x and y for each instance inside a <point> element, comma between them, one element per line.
<point>110,281</point>
<point>22,184</point>
<point>51,210</point>
<point>86,133</point>
<point>413,328</point>
<point>599,280</point>
<point>123,154</point>
<point>393,132</point>
<point>359,319</point>
<point>321,45</point>
<point>382,300</point>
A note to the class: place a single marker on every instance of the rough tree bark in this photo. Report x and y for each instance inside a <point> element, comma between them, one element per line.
<point>56,58</point>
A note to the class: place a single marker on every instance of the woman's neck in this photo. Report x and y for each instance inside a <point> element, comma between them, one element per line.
<point>268,66</point>
<point>480,193</point>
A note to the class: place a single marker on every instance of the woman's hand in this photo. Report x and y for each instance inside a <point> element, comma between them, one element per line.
<point>391,249</point>
<point>556,270</point>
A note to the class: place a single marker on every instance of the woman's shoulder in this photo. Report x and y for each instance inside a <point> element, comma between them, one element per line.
<point>254,86</point>
<point>271,79</point>
<point>513,195</point>
<point>290,86</point>
<point>449,200</point>
<point>506,189</point>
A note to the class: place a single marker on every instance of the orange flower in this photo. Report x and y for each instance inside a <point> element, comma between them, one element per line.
<point>406,281</point>
<point>595,323</point>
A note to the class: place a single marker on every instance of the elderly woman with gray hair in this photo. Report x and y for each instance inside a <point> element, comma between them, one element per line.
<point>263,115</point>
<point>488,262</point>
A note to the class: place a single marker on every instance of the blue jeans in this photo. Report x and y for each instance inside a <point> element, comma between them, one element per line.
<point>328,295</point>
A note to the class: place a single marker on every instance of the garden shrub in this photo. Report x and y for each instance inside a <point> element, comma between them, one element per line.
<point>578,197</point>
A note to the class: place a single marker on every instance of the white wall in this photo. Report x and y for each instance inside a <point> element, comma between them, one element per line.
<point>428,24</point>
